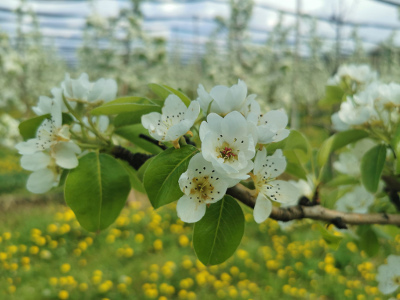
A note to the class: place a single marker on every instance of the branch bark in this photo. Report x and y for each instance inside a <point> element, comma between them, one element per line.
<point>316,212</point>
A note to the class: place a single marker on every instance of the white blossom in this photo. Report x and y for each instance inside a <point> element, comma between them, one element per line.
<point>44,175</point>
<point>359,76</point>
<point>270,126</point>
<point>201,185</point>
<point>349,162</point>
<point>54,137</point>
<point>176,119</point>
<point>229,144</point>
<point>356,201</point>
<point>352,114</point>
<point>223,100</point>
<point>266,169</point>
<point>83,90</point>
<point>389,275</point>
<point>45,103</point>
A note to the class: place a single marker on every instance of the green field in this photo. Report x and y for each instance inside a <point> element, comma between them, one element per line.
<point>147,254</point>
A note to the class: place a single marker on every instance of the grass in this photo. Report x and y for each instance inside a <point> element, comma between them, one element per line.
<point>147,254</point>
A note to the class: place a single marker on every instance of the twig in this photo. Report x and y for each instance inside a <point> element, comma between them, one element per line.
<point>315,212</point>
<point>153,141</point>
<point>135,160</point>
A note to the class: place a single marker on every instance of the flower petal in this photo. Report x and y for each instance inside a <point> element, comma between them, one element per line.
<point>283,192</point>
<point>36,161</point>
<point>65,154</point>
<point>189,210</point>
<point>262,209</point>
<point>41,181</point>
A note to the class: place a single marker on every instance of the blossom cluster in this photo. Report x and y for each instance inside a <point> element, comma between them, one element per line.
<point>369,102</point>
<point>233,132</point>
<point>52,149</point>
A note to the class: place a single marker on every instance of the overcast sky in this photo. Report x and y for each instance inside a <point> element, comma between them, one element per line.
<point>179,20</point>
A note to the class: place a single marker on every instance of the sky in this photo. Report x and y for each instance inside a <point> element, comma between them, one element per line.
<point>192,21</point>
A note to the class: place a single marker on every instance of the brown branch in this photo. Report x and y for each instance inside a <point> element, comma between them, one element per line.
<point>316,212</point>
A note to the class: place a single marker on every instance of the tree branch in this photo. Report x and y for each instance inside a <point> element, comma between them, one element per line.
<point>316,212</point>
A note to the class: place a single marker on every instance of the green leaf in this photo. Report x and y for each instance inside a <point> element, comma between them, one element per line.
<point>218,234</point>
<point>136,183</point>
<point>28,128</point>
<point>295,141</point>
<point>372,165</point>
<point>126,104</point>
<point>294,166</point>
<point>163,91</point>
<point>162,175</point>
<point>96,190</point>
<point>333,95</point>
<point>159,90</point>
<point>143,168</point>
<point>185,99</point>
<point>338,141</point>
<point>132,133</point>
<point>333,241</point>
<point>396,148</point>
<point>342,180</point>
<point>133,117</point>
<point>368,239</point>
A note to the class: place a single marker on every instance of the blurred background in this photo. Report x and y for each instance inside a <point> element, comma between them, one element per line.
<point>285,51</point>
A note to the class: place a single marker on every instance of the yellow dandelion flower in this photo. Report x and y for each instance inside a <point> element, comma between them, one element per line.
<point>63,294</point>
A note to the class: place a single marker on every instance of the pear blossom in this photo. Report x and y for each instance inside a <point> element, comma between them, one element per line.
<point>54,137</point>
<point>45,103</point>
<point>223,100</point>
<point>270,126</point>
<point>359,76</point>
<point>229,144</point>
<point>82,90</point>
<point>338,124</point>
<point>349,162</point>
<point>389,275</point>
<point>305,188</point>
<point>266,169</point>
<point>201,185</point>
<point>44,175</point>
<point>176,119</point>
<point>353,114</point>
<point>356,201</point>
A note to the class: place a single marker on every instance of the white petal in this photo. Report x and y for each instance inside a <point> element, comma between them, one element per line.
<point>185,182</point>
<point>65,154</point>
<point>281,135</point>
<point>234,125</point>
<point>276,117</point>
<point>262,209</point>
<point>213,124</point>
<point>43,107</point>
<point>36,161</point>
<point>259,161</point>
<point>385,278</point>
<point>28,147</point>
<point>282,191</point>
<point>338,124</point>
<point>192,112</point>
<point>189,210</point>
<point>41,181</point>
<point>204,99</point>
<point>173,105</point>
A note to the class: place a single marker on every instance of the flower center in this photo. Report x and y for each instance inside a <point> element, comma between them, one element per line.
<point>202,188</point>
<point>396,280</point>
<point>227,153</point>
